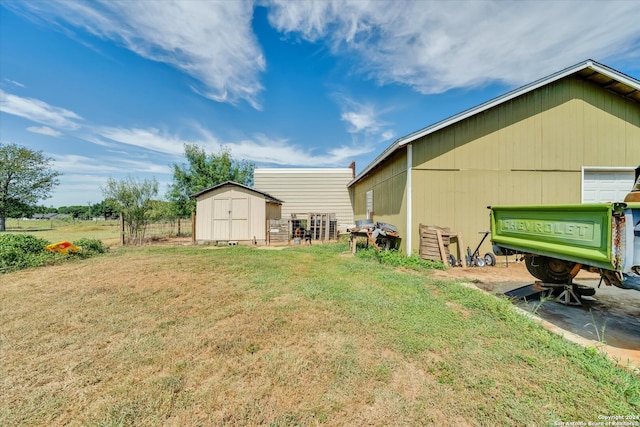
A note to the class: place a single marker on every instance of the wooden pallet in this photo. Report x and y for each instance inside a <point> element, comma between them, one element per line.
<point>435,244</point>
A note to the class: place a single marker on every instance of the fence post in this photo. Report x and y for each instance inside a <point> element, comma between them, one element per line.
<point>193,227</point>
<point>178,226</point>
<point>121,229</point>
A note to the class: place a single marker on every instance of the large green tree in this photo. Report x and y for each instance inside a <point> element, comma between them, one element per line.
<point>204,171</point>
<point>26,176</point>
<point>134,198</point>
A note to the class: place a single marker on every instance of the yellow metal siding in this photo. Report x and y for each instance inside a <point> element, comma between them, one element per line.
<point>526,151</point>
<point>389,193</point>
<point>459,199</point>
<point>563,126</point>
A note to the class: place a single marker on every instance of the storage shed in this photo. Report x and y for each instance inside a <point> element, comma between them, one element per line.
<point>571,137</point>
<point>232,212</point>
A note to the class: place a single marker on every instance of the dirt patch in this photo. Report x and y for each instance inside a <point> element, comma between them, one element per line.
<point>500,273</point>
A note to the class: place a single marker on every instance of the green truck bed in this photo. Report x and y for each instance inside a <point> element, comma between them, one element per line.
<point>605,236</point>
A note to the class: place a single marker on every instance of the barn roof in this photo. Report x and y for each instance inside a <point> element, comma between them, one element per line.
<point>267,196</point>
<point>590,70</point>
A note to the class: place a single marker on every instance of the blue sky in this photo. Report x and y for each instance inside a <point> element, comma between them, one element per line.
<point>110,89</point>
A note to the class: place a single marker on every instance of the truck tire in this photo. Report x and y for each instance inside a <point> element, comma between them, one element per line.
<point>549,270</point>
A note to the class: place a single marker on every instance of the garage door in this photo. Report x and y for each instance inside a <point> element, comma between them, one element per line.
<point>606,186</point>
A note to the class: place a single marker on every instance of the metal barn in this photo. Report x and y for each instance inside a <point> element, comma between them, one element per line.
<point>572,137</point>
<point>235,213</point>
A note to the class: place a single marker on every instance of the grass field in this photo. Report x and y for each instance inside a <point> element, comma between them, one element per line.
<point>301,336</point>
<point>59,230</point>
<point>108,231</point>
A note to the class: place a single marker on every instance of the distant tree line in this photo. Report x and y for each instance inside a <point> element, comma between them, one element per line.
<point>104,210</point>
<point>26,176</point>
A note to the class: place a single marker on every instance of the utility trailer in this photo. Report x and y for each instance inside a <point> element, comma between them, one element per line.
<point>557,241</point>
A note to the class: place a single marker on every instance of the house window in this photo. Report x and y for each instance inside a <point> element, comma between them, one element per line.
<point>369,204</point>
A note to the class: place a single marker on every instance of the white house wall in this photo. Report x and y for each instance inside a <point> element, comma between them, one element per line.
<point>309,190</point>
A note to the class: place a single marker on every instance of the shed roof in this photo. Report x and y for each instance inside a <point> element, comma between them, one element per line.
<point>590,70</point>
<point>267,196</point>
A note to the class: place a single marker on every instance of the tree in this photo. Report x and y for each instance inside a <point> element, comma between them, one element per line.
<point>76,211</point>
<point>204,171</point>
<point>20,210</point>
<point>133,198</point>
<point>25,177</point>
<point>104,209</point>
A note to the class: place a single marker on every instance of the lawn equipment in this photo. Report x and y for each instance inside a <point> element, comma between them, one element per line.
<point>475,260</point>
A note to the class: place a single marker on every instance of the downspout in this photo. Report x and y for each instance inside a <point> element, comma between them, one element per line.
<point>409,198</point>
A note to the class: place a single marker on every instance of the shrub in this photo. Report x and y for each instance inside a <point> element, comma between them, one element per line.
<point>23,242</point>
<point>397,259</point>
<point>91,247</point>
<point>18,251</point>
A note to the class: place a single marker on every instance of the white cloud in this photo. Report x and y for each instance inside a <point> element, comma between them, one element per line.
<point>344,154</point>
<point>387,135</point>
<point>15,83</point>
<point>150,139</point>
<point>213,42</point>
<point>44,130</point>
<point>436,46</point>
<point>359,121</point>
<point>38,111</point>
<point>100,165</point>
<point>77,189</point>
<point>262,149</point>
<point>430,46</point>
<point>141,167</point>
<point>364,123</point>
<point>360,117</point>
<point>74,164</point>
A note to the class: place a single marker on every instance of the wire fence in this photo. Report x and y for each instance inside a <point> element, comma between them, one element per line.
<point>158,231</point>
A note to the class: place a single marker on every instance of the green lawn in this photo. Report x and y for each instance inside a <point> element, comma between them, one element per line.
<point>300,336</point>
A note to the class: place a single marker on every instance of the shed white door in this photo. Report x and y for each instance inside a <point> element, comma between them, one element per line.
<point>231,217</point>
<point>221,216</point>
<point>240,218</point>
<point>606,186</point>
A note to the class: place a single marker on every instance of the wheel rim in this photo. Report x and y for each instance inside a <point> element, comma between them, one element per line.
<point>558,266</point>
<point>489,259</point>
